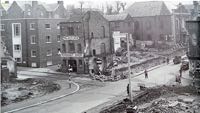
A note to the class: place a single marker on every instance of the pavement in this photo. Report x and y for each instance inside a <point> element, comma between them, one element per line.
<point>63,92</point>
<point>87,99</point>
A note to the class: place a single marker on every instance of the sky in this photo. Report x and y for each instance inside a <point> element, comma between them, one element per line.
<point>99,3</point>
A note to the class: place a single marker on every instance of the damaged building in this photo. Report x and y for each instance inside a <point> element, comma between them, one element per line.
<point>87,44</point>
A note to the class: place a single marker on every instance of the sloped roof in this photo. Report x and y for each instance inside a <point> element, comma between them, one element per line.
<point>51,7</point>
<point>22,4</point>
<point>151,8</point>
<point>75,18</point>
<point>116,17</point>
<point>6,6</point>
<point>189,7</point>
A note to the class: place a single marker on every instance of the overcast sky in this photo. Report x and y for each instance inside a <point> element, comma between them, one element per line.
<point>99,3</point>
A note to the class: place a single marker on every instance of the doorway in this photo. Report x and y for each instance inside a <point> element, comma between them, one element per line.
<point>73,63</point>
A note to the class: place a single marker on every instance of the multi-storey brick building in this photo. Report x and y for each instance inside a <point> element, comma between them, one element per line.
<point>85,38</point>
<point>31,32</point>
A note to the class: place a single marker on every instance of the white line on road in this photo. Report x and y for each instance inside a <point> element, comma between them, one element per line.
<point>43,102</point>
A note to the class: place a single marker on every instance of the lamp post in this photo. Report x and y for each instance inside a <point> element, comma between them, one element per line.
<point>129,70</point>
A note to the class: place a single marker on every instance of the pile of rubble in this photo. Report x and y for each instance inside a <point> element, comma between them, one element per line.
<point>161,100</point>
<point>19,90</point>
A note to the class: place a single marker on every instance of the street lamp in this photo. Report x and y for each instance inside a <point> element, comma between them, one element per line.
<point>129,70</point>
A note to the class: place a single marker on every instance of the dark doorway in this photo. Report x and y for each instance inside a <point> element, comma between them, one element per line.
<point>73,63</point>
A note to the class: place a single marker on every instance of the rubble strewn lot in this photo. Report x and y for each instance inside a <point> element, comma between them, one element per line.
<point>19,90</point>
<point>163,99</point>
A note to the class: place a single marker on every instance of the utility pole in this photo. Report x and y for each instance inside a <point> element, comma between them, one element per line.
<point>129,70</point>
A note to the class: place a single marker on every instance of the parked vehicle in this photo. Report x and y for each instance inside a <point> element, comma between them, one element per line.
<point>185,63</point>
<point>177,60</point>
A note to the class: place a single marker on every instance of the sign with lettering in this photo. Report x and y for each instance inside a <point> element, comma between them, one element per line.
<point>71,38</point>
<point>72,55</point>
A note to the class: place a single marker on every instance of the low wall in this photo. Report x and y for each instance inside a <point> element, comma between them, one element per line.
<point>140,66</point>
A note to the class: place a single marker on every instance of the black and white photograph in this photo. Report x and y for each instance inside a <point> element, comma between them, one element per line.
<point>100,56</point>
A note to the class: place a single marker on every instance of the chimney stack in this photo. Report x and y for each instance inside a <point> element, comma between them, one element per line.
<point>34,3</point>
<point>60,2</point>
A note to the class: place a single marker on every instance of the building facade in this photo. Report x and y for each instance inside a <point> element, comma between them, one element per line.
<point>86,38</point>
<point>31,32</point>
<point>152,21</point>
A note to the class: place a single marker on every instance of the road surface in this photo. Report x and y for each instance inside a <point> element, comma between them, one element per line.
<point>84,100</point>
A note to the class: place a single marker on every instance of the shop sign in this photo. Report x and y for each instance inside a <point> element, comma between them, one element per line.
<point>71,38</point>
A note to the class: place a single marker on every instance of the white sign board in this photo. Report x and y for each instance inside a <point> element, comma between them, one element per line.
<point>71,38</point>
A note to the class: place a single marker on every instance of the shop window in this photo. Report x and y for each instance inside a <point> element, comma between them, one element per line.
<point>80,62</point>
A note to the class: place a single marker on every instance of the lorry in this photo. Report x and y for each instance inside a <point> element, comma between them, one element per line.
<point>193,53</point>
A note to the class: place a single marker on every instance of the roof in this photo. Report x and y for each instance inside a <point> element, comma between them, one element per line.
<point>189,7</point>
<point>151,8</point>
<point>51,7</point>
<point>116,17</point>
<point>75,18</point>
<point>6,6</point>
<point>22,4</point>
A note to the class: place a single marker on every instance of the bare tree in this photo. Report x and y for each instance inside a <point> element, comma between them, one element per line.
<point>123,5</point>
<point>109,9</point>
<point>81,5</point>
<point>118,6</point>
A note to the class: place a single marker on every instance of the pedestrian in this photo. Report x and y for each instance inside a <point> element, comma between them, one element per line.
<point>145,73</point>
<point>180,71</point>
<point>127,89</point>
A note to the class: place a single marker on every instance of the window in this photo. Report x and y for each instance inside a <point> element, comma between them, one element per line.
<point>103,28</point>
<point>49,53</point>
<point>33,64</point>
<point>71,46</point>
<point>64,48</point>
<point>2,27</point>
<point>41,14</point>
<point>29,12</point>
<point>33,39</point>
<point>79,48</point>
<point>71,30</point>
<point>80,62</point>
<point>18,60</point>
<point>58,38</point>
<point>47,26</point>
<point>32,26</point>
<point>17,29</point>
<point>48,39</point>
<point>17,47</point>
<point>58,26</point>
<point>49,63</point>
<point>33,53</point>
<point>94,52</point>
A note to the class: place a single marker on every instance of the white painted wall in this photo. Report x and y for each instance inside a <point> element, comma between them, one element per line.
<point>17,40</point>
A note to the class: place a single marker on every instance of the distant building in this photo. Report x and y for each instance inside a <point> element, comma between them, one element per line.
<point>179,17</point>
<point>120,25</point>
<point>152,21</point>
<point>31,31</point>
<point>86,38</point>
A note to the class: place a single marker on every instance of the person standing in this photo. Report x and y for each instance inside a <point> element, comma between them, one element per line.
<point>145,73</point>
<point>180,71</point>
<point>127,89</point>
